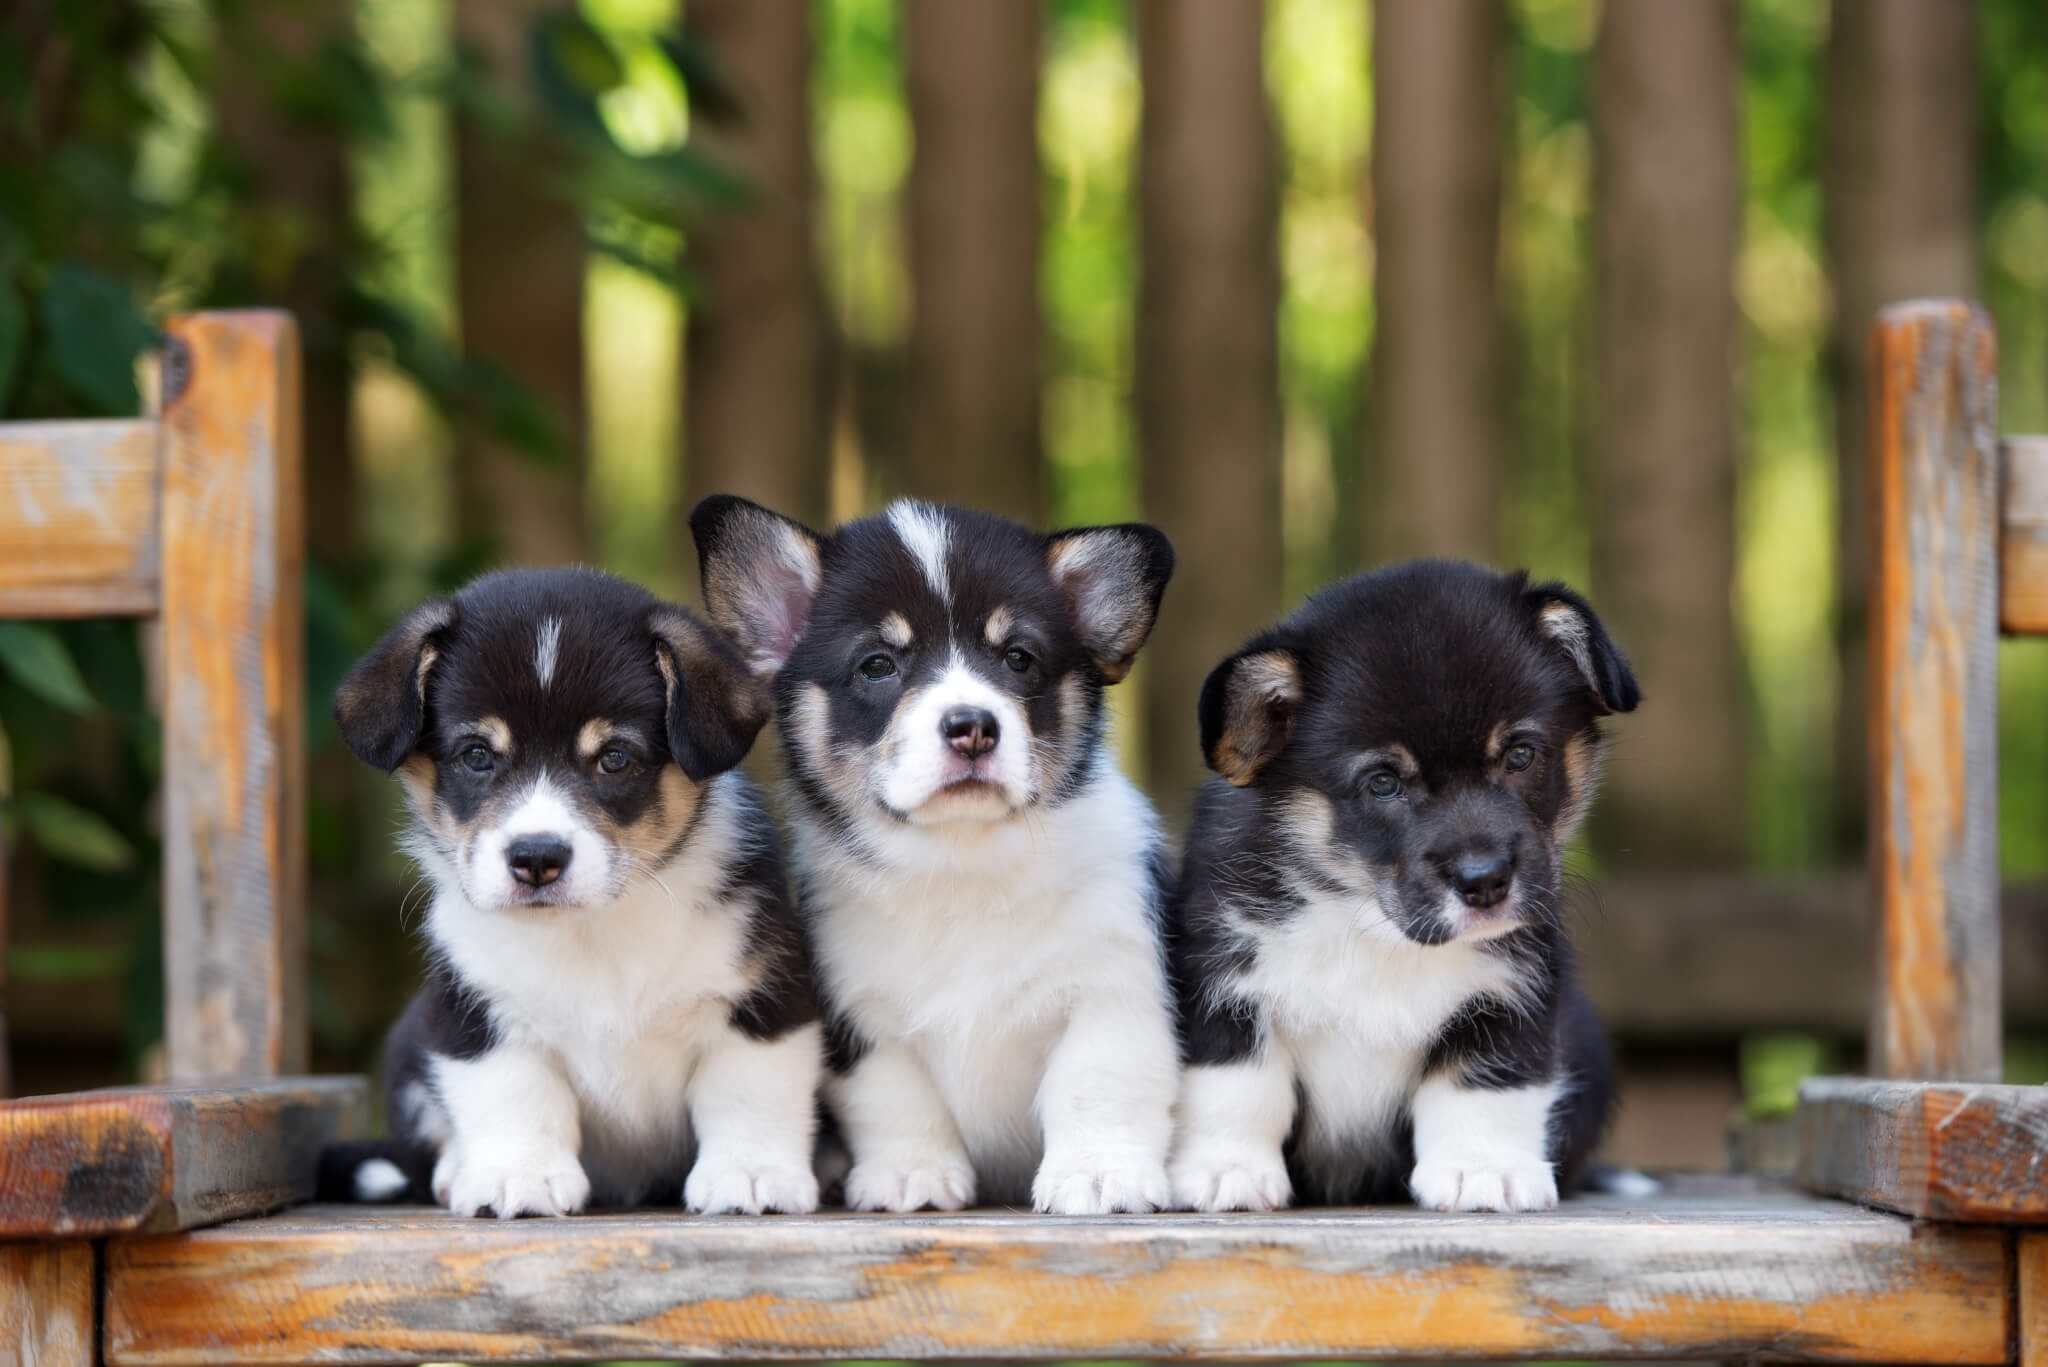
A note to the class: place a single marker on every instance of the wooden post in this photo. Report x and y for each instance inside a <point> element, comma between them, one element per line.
<point>2033,1299</point>
<point>234,698</point>
<point>49,1304</point>
<point>1934,692</point>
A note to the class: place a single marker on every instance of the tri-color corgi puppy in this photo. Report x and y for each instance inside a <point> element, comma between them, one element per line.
<point>619,1006</point>
<point>981,885</point>
<point>1376,990</point>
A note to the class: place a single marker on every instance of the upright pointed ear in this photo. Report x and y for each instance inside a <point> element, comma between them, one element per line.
<point>1247,709</point>
<point>1570,621</point>
<point>1113,578</point>
<point>716,705</point>
<point>760,572</point>
<point>382,705</point>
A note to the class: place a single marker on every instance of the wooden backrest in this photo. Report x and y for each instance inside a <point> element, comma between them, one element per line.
<point>194,518</point>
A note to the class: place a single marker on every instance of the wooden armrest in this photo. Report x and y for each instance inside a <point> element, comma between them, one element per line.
<point>1964,1151</point>
<point>157,1159</point>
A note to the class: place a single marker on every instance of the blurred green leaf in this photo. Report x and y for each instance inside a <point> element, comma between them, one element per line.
<point>711,94</point>
<point>69,832</point>
<point>65,963</point>
<point>573,64</point>
<point>37,659</point>
<point>95,333</point>
<point>13,335</point>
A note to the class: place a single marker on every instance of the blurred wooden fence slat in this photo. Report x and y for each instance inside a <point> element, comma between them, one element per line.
<point>1433,479</point>
<point>78,519</point>
<point>1666,208</point>
<point>754,394</point>
<point>1207,363</point>
<point>972,436</point>
<point>2023,537</point>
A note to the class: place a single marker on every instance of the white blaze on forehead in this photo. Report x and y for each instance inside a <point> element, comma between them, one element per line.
<point>923,531</point>
<point>547,647</point>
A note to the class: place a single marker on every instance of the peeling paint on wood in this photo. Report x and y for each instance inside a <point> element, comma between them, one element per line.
<point>78,519</point>
<point>2023,537</point>
<point>1942,1151</point>
<point>166,1158</point>
<point>47,1305</point>
<point>234,781</point>
<point>1698,1275</point>
<point>1934,686</point>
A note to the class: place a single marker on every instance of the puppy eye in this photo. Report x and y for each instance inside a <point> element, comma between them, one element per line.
<point>614,760</point>
<point>478,759</point>
<point>877,667</point>
<point>1518,758</point>
<point>1018,658</point>
<point>1383,784</point>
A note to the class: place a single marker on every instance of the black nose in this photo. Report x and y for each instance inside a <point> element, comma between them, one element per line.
<point>1482,879</point>
<point>537,860</point>
<point>970,730</point>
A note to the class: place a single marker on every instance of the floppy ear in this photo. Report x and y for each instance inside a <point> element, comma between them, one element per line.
<point>1113,578</point>
<point>716,706</point>
<point>1247,710</point>
<point>760,572</point>
<point>1569,620</point>
<point>382,704</point>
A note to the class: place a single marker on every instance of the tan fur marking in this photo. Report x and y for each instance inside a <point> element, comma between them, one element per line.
<point>1497,741</point>
<point>896,631</point>
<point>1581,779</point>
<point>998,627</point>
<point>1258,712</point>
<point>591,738</point>
<point>492,729</point>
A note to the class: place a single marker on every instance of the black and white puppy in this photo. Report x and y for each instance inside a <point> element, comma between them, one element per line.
<point>619,1007</point>
<point>1376,989</point>
<point>981,885</point>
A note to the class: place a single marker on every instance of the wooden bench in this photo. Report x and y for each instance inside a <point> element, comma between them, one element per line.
<point>130,1212</point>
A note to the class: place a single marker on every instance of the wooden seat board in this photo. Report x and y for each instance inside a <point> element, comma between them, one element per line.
<point>1941,1151</point>
<point>1708,1274</point>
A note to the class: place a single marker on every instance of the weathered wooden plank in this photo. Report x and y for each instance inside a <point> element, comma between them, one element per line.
<point>1934,699</point>
<point>78,519</point>
<point>234,698</point>
<point>1705,1276</point>
<point>166,1158</point>
<point>1973,1152</point>
<point>2023,537</point>
<point>48,1303</point>
<point>2033,1300</point>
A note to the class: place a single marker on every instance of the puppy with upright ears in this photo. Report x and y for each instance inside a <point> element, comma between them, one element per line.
<point>1376,990</point>
<point>619,1006</point>
<point>982,886</point>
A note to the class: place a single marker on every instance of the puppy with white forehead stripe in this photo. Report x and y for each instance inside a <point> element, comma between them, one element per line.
<point>1376,991</point>
<point>981,885</point>
<point>619,1007</point>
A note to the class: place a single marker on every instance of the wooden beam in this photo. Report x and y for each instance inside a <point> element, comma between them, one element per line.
<point>78,519</point>
<point>49,1304</point>
<point>2033,1298</point>
<point>2023,537</point>
<point>1940,1151</point>
<point>234,699</point>
<point>1934,691</point>
<point>1711,1276</point>
<point>155,1159</point>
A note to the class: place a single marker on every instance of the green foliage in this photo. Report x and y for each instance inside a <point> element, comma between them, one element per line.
<point>39,662</point>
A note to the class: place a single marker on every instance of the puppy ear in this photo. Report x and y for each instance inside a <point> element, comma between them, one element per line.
<point>716,706</point>
<point>1247,710</point>
<point>382,704</point>
<point>760,572</point>
<point>1114,578</point>
<point>1569,620</point>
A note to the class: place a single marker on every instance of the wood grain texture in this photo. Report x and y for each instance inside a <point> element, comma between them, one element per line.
<point>48,1305</point>
<point>1941,1151</point>
<point>1704,1276</point>
<point>1934,691</point>
<point>2033,1300</point>
<point>166,1158</point>
<point>78,519</point>
<point>234,699</point>
<point>2023,537</point>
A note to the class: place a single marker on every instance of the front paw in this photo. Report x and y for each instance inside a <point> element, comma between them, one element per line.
<point>934,1181</point>
<point>1240,1181</point>
<point>719,1185</point>
<point>511,1185</point>
<point>1100,1186</point>
<point>1509,1184</point>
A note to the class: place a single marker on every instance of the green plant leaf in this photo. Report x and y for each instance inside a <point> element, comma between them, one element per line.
<point>95,333</point>
<point>71,833</point>
<point>39,662</point>
<point>65,963</point>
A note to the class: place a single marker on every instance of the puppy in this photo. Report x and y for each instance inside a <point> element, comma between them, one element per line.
<point>619,993</point>
<point>1376,991</point>
<point>981,885</point>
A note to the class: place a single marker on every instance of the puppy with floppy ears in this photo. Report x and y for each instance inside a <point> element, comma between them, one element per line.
<point>1376,990</point>
<point>619,1006</point>
<point>981,885</point>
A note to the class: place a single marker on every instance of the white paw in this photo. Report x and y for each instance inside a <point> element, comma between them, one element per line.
<point>511,1185</point>
<point>720,1185</point>
<point>1100,1187</point>
<point>1241,1181</point>
<point>1492,1183</point>
<point>935,1181</point>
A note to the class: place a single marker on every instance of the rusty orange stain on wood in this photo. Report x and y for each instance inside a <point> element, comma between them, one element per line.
<point>1940,1151</point>
<point>47,1304</point>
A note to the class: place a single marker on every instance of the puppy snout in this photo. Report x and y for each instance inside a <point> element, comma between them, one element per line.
<point>537,860</point>
<point>970,731</point>
<point>1482,879</point>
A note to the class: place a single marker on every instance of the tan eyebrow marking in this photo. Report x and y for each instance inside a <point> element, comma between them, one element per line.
<point>1397,757</point>
<point>492,729</point>
<point>895,630</point>
<point>1497,743</point>
<point>998,629</point>
<point>592,737</point>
